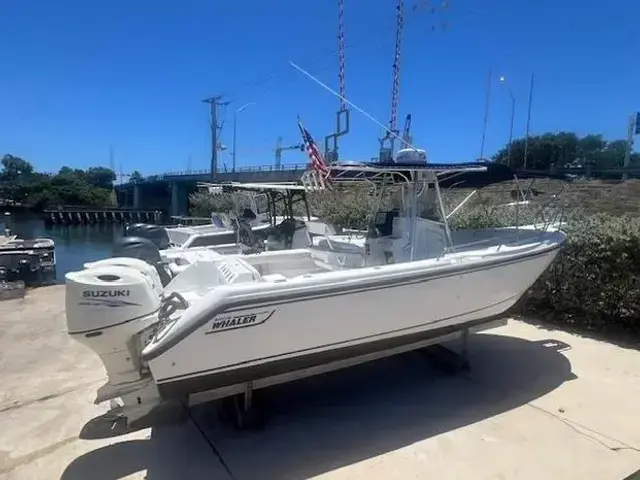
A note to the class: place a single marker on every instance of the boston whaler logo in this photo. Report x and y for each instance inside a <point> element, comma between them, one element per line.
<point>239,320</point>
<point>106,298</point>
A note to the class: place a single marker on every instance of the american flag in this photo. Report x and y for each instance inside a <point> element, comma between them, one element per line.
<point>317,160</point>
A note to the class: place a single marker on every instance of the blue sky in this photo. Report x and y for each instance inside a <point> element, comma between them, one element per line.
<point>79,76</point>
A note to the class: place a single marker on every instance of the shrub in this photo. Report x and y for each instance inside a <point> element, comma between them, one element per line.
<point>595,281</point>
<point>593,284</point>
<point>345,209</point>
<point>203,204</point>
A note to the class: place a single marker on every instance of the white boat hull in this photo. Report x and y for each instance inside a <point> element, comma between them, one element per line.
<point>287,335</point>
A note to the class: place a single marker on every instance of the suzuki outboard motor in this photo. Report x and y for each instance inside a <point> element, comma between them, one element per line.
<point>113,310</point>
<point>135,263</point>
<point>156,233</point>
<point>143,249</point>
<point>133,229</point>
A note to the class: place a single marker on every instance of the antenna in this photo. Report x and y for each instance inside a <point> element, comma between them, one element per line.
<point>351,104</point>
<point>406,133</point>
<point>386,152</point>
<point>331,154</point>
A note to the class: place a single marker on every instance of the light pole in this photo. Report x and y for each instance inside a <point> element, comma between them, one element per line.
<point>513,110</point>
<point>487,101</point>
<point>235,131</point>
<point>526,136</point>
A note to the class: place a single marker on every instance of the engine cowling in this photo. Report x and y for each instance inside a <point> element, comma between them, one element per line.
<point>107,296</point>
<point>135,263</point>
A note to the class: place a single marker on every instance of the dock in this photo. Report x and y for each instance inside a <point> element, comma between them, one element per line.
<point>537,404</point>
<point>80,215</point>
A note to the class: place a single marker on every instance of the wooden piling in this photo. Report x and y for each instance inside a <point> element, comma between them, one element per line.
<point>87,216</point>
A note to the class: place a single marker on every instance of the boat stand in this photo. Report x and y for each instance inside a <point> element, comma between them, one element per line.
<point>242,411</point>
<point>447,359</point>
<point>244,405</point>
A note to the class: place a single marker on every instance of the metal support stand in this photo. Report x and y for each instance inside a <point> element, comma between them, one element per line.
<point>248,396</point>
<point>464,350</point>
<point>448,360</point>
<point>246,415</point>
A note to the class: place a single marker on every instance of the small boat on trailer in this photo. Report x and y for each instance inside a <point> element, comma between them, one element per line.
<point>228,325</point>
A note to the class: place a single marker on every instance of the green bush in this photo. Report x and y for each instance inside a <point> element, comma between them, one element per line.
<point>345,209</point>
<point>203,204</point>
<point>595,281</point>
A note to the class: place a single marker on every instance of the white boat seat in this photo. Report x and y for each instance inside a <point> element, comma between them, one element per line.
<point>339,243</point>
<point>274,278</point>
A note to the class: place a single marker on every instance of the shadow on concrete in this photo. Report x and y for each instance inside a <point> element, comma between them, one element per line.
<point>616,334</point>
<point>334,420</point>
<point>111,424</point>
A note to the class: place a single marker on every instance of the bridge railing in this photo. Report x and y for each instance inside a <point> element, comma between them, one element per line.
<point>251,169</point>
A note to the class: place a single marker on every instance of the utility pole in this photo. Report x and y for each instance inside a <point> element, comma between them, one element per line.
<point>633,128</point>
<point>214,102</point>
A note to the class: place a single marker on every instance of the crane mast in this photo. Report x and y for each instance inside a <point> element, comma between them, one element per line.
<point>387,142</point>
<point>342,115</point>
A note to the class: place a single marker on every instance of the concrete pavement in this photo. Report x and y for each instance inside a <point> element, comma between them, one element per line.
<point>536,404</point>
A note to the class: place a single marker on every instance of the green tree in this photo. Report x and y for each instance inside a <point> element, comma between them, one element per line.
<point>19,182</point>
<point>566,149</point>
<point>14,167</point>
<point>100,177</point>
<point>136,177</point>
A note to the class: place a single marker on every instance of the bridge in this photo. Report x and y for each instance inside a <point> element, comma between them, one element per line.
<point>169,192</point>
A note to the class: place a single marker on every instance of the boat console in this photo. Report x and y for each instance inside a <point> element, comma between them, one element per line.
<point>387,241</point>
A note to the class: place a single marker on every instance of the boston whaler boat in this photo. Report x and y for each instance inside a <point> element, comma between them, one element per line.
<point>228,325</point>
